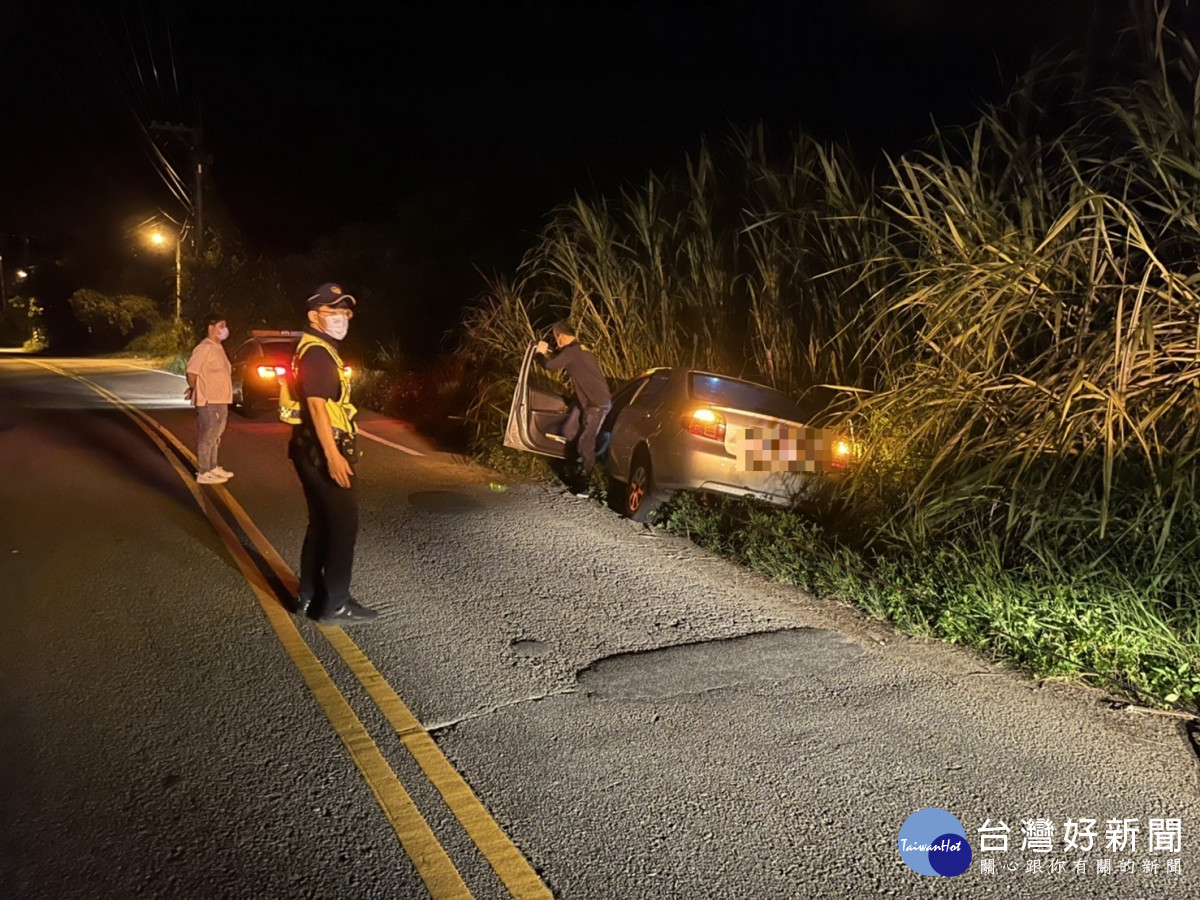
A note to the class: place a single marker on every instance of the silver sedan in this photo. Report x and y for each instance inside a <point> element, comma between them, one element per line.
<point>674,429</point>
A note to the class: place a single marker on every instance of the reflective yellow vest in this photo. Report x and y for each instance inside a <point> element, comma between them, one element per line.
<point>341,411</point>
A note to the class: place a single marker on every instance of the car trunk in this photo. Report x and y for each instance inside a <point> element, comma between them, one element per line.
<point>764,429</point>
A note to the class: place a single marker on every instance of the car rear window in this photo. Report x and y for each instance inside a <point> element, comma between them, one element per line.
<point>280,348</point>
<point>734,394</point>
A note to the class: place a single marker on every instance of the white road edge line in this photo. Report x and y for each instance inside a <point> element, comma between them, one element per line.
<point>364,433</point>
<point>387,443</point>
<point>128,365</point>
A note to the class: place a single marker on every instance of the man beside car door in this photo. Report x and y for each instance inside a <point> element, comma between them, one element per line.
<point>582,425</point>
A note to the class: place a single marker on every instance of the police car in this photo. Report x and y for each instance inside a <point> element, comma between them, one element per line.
<point>259,365</point>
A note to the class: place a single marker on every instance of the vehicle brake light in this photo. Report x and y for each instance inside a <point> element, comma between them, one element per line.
<point>348,370</point>
<point>706,423</point>
<point>842,451</point>
<point>272,371</point>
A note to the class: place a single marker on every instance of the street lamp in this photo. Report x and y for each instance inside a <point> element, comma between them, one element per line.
<point>158,239</point>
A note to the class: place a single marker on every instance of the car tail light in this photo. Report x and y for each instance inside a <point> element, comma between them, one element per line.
<point>349,371</point>
<point>843,452</point>
<point>272,371</point>
<point>706,423</point>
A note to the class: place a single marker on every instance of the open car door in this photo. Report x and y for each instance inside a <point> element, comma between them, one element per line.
<point>535,414</point>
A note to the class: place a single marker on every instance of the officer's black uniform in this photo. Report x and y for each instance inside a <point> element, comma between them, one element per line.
<point>327,558</point>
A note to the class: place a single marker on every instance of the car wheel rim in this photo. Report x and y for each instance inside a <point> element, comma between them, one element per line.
<point>637,489</point>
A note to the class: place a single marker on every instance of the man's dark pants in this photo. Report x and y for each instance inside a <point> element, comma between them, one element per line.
<point>327,556</point>
<point>581,428</point>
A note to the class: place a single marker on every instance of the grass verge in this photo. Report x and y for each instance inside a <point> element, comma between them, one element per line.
<point>1102,629</point>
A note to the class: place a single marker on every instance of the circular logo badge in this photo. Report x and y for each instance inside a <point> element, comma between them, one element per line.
<point>933,842</point>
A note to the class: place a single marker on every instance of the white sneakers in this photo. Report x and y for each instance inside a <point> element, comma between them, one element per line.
<point>214,476</point>
<point>224,473</point>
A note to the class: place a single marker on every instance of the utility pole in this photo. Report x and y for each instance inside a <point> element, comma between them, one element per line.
<point>198,201</point>
<point>178,279</point>
<point>194,138</point>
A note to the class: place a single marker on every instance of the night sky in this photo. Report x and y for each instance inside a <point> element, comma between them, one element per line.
<point>322,114</point>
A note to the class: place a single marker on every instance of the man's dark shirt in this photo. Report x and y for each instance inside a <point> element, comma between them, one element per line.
<point>316,376</point>
<point>584,371</point>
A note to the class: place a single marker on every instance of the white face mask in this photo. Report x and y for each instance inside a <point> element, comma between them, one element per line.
<point>222,333</point>
<point>336,326</point>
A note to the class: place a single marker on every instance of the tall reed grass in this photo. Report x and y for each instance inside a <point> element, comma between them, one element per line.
<point>1011,311</point>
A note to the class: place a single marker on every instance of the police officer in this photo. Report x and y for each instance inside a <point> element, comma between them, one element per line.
<point>322,448</point>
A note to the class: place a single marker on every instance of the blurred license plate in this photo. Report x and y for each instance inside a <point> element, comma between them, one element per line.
<point>786,449</point>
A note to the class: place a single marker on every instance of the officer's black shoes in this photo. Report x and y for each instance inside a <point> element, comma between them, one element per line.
<point>350,614</point>
<point>302,606</point>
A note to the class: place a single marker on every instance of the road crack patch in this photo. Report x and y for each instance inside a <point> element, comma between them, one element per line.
<point>720,664</point>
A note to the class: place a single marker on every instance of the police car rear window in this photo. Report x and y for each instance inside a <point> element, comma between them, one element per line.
<point>279,346</point>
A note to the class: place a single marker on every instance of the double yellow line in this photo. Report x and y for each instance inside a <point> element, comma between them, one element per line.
<point>435,867</point>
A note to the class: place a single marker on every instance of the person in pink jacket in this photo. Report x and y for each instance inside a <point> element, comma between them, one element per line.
<point>210,388</point>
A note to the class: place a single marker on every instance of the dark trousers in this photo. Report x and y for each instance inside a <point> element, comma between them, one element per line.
<point>328,553</point>
<point>581,428</point>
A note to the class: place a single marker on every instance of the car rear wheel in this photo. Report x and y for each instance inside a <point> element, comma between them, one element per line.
<point>641,499</point>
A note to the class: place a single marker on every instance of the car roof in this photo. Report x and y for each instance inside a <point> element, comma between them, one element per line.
<point>703,373</point>
<point>755,384</point>
<point>646,372</point>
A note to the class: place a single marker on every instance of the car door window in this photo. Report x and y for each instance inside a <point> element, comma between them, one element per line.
<point>621,399</point>
<point>653,393</point>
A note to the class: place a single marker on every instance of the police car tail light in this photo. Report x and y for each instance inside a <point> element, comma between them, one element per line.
<point>705,423</point>
<point>272,371</point>
<point>844,452</point>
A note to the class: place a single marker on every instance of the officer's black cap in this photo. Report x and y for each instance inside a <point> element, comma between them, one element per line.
<point>330,295</point>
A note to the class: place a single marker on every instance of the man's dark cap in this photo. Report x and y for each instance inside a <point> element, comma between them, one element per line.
<point>330,295</point>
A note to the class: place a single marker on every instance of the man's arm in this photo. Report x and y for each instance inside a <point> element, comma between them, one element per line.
<point>339,468</point>
<point>193,369</point>
<point>552,363</point>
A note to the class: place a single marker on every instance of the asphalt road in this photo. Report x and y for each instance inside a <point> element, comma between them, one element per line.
<point>637,718</point>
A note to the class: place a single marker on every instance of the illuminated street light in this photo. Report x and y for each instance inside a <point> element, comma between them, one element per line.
<point>158,239</point>
<point>22,274</point>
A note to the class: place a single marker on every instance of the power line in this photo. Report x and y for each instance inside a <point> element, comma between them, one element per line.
<point>171,51</point>
<point>129,40</point>
<point>137,109</point>
<point>150,53</point>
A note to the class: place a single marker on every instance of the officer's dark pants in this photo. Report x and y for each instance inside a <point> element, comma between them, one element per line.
<point>581,429</point>
<point>328,553</point>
